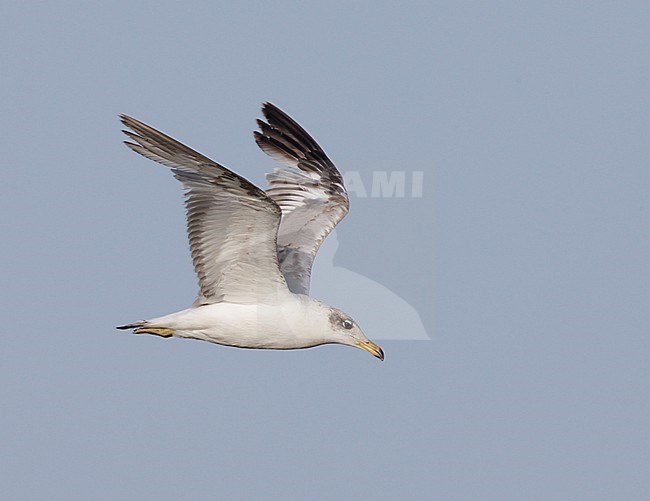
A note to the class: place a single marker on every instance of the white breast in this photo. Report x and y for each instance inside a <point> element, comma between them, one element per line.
<point>293,323</point>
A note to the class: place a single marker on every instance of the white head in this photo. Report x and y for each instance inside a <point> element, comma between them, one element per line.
<point>340,328</point>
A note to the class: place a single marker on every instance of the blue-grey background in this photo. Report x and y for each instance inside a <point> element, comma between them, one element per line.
<point>526,257</point>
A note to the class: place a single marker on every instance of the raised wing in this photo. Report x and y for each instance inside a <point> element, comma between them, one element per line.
<point>309,190</point>
<point>232,225</point>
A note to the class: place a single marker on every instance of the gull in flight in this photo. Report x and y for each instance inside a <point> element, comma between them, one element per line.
<point>253,250</point>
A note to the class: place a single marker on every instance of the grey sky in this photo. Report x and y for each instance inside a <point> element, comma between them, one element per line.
<point>526,257</point>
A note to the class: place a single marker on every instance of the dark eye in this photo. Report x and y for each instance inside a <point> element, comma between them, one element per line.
<point>347,324</point>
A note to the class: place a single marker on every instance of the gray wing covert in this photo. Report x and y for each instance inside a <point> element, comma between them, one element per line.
<point>309,190</point>
<point>232,225</point>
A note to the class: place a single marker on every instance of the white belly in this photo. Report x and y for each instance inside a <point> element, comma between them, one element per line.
<point>281,326</point>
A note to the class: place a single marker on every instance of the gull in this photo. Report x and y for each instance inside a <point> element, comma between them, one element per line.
<point>252,249</point>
